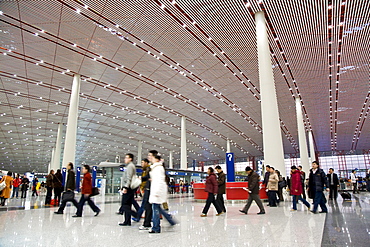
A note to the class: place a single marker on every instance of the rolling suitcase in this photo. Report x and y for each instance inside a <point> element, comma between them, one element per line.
<point>346,196</point>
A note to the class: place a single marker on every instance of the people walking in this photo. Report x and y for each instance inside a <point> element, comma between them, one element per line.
<point>354,182</point>
<point>34,186</point>
<point>333,183</point>
<point>272,187</point>
<point>317,183</point>
<point>281,186</point>
<point>5,193</point>
<point>221,180</point>
<point>253,190</point>
<point>158,194</point>
<point>145,205</point>
<point>303,181</point>
<point>16,184</point>
<point>49,188</point>
<point>212,190</point>
<point>368,180</point>
<point>86,193</point>
<point>296,188</point>
<point>24,186</point>
<point>127,190</point>
<point>70,186</point>
<point>58,187</point>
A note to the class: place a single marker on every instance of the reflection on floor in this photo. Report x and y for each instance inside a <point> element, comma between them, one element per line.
<point>348,222</point>
<point>278,227</point>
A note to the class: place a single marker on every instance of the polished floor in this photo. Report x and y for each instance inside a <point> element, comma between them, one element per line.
<point>26,222</point>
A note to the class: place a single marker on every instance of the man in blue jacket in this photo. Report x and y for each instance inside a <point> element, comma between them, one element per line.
<point>317,183</point>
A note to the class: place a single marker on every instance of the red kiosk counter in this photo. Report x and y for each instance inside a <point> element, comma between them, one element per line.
<point>234,191</point>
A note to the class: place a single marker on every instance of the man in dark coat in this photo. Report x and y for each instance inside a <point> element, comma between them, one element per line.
<point>303,179</point>
<point>24,186</point>
<point>333,183</point>
<point>69,187</point>
<point>253,190</point>
<point>221,179</point>
<point>316,184</point>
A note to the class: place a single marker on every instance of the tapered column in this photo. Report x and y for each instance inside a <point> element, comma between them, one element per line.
<point>228,148</point>
<point>272,140</point>
<point>312,146</point>
<point>303,151</point>
<point>184,155</point>
<point>71,131</point>
<point>139,152</point>
<point>170,162</point>
<point>58,149</point>
<point>51,160</point>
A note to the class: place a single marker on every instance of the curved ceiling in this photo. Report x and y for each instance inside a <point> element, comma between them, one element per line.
<point>144,64</point>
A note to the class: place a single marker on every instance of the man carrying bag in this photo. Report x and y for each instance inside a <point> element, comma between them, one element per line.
<point>68,194</point>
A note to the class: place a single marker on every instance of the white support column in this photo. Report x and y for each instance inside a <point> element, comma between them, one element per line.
<point>312,146</point>
<point>303,151</point>
<point>139,152</point>
<point>71,131</point>
<point>272,140</point>
<point>170,162</point>
<point>184,156</point>
<point>228,148</point>
<point>51,160</point>
<point>55,165</point>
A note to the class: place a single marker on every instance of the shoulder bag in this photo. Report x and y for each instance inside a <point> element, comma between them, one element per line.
<point>135,182</point>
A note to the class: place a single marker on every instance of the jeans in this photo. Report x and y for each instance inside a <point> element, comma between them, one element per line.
<point>157,210</point>
<point>272,197</point>
<point>142,208</point>
<point>81,203</point>
<point>64,203</point>
<point>319,200</point>
<point>49,194</point>
<point>211,200</point>
<point>296,198</point>
<point>220,201</point>
<point>15,192</point>
<point>256,198</point>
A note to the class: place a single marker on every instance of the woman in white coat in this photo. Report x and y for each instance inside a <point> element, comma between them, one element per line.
<point>158,194</point>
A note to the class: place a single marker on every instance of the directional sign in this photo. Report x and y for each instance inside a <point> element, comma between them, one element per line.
<point>230,168</point>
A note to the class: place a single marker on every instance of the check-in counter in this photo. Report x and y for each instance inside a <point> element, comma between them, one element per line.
<point>234,191</point>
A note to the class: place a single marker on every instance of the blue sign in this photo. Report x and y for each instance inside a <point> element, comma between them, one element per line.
<point>94,171</point>
<point>78,178</point>
<point>99,181</point>
<point>230,168</point>
<point>64,174</point>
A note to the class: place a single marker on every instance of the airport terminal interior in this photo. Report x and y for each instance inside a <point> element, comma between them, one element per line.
<point>216,100</point>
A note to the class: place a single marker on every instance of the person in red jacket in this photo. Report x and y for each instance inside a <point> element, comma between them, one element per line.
<point>212,189</point>
<point>86,191</point>
<point>16,183</point>
<point>296,188</point>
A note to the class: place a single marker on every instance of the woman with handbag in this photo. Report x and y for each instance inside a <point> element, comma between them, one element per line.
<point>158,194</point>
<point>58,187</point>
<point>86,192</point>
<point>49,188</point>
<point>5,193</point>
<point>69,195</point>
